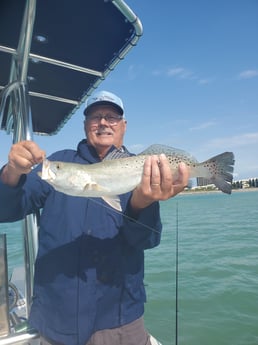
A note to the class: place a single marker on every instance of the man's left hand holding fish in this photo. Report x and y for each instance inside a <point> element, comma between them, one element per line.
<point>157,182</point>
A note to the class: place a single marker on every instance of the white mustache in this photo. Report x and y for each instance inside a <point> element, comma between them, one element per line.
<point>100,132</point>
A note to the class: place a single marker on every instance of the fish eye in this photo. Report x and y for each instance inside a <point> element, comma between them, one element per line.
<point>58,166</point>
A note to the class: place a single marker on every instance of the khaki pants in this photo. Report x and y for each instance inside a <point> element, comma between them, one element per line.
<point>133,333</point>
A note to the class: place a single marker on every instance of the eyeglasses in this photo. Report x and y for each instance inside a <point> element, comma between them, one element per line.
<point>112,119</point>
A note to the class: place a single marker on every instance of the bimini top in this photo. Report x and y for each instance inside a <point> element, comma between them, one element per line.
<point>72,47</point>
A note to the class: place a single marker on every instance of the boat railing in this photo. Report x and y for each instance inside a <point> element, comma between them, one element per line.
<point>19,121</point>
<point>16,119</point>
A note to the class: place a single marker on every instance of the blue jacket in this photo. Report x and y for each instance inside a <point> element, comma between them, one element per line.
<point>90,264</point>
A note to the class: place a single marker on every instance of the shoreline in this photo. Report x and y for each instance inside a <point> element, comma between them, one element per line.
<point>239,190</point>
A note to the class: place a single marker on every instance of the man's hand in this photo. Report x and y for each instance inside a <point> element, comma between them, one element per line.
<point>158,183</point>
<point>22,157</point>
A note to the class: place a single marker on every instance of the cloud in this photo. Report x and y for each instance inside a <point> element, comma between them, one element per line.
<point>186,74</point>
<point>205,81</point>
<point>133,71</point>
<point>203,125</point>
<point>248,74</point>
<point>180,72</point>
<point>157,72</point>
<point>244,139</point>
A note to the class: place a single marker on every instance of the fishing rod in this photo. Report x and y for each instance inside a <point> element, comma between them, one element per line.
<point>176,323</point>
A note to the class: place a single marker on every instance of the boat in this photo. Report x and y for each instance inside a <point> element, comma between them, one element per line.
<point>48,70</point>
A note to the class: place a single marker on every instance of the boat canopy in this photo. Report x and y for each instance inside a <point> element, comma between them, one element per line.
<point>74,46</point>
<point>53,55</point>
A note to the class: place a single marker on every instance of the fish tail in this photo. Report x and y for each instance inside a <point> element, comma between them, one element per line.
<point>221,171</point>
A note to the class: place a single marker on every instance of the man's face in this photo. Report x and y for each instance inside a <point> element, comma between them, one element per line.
<point>102,132</point>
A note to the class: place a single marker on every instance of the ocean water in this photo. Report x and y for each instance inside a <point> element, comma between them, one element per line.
<point>217,270</point>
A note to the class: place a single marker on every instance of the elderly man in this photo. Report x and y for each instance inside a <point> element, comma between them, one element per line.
<point>88,285</point>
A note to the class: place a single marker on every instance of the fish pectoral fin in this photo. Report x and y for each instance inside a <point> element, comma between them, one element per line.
<point>113,201</point>
<point>94,186</point>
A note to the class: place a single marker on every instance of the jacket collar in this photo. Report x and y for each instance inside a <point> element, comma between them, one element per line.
<point>88,152</point>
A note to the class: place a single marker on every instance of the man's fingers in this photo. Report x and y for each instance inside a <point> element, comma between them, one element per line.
<point>183,175</point>
<point>155,180</point>
<point>182,180</point>
<point>24,155</point>
<point>165,172</point>
<point>35,154</point>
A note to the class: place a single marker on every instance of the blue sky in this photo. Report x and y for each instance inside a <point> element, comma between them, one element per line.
<point>191,82</point>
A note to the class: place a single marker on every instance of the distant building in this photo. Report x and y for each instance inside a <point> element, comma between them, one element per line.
<point>201,181</point>
<point>205,184</point>
<point>251,182</point>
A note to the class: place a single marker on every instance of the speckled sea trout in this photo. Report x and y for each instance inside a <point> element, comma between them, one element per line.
<point>120,173</point>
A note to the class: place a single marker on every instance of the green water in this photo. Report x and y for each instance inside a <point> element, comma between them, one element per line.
<point>218,270</point>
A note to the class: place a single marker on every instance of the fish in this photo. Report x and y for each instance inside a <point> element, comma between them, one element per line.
<point>121,172</point>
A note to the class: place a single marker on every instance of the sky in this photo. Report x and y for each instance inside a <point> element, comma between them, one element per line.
<point>191,83</point>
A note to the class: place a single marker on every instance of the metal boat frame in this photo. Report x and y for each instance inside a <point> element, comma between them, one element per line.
<point>16,117</point>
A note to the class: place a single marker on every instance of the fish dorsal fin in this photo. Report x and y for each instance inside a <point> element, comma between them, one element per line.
<point>157,149</point>
<point>117,153</point>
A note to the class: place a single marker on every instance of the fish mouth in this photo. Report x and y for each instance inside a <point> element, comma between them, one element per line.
<point>47,173</point>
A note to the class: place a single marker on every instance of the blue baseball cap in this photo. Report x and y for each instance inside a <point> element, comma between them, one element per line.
<point>104,98</point>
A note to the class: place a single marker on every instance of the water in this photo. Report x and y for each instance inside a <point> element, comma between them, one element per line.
<point>218,270</point>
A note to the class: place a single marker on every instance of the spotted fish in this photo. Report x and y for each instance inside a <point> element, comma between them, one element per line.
<point>120,173</point>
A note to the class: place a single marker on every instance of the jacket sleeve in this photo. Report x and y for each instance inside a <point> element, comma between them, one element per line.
<point>143,231</point>
<point>27,197</point>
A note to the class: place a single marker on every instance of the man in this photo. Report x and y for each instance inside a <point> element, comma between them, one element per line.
<point>88,285</point>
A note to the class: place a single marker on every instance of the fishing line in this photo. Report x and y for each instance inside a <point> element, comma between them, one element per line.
<point>154,230</point>
<point>176,323</point>
<point>124,215</point>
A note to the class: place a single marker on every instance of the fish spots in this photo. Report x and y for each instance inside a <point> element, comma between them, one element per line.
<point>121,175</point>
